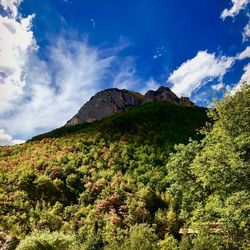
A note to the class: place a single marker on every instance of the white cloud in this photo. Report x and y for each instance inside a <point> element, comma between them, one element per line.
<point>16,43</point>
<point>37,95</point>
<point>11,6</point>
<point>55,90</point>
<point>246,32</point>
<point>93,22</point>
<point>244,54</point>
<point>151,84</point>
<point>246,75</point>
<point>193,73</point>
<point>159,52</point>
<point>125,75</point>
<point>238,5</point>
<point>218,87</point>
<point>6,139</point>
<point>204,98</point>
<point>245,78</point>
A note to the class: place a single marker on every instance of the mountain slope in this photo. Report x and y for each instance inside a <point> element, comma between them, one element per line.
<point>95,178</point>
<point>158,122</point>
<point>112,101</point>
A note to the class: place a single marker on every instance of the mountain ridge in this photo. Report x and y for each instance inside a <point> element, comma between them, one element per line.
<point>113,100</point>
<point>141,121</point>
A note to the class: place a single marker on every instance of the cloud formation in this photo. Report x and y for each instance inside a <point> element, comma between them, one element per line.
<point>218,87</point>
<point>244,54</point>
<point>245,78</point>
<point>246,75</point>
<point>6,139</point>
<point>246,32</point>
<point>55,90</point>
<point>11,6</point>
<point>237,6</point>
<point>159,52</point>
<point>37,95</point>
<point>151,84</point>
<point>42,94</point>
<point>195,72</point>
<point>124,74</point>
<point>16,43</point>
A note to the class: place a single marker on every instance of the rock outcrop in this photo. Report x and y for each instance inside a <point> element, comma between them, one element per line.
<point>185,101</point>
<point>161,94</point>
<point>106,103</point>
<point>112,101</point>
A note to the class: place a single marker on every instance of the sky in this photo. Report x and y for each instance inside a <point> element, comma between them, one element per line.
<point>56,54</point>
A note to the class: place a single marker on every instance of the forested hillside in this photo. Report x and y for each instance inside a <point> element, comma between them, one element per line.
<point>133,181</point>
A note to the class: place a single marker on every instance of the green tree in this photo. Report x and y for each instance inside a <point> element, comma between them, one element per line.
<point>210,179</point>
<point>50,241</point>
<point>141,237</point>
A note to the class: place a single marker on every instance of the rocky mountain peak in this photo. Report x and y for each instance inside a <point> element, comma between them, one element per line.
<point>112,101</point>
<point>185,101</point>
<point>106,103</point>
<point>161,94</point>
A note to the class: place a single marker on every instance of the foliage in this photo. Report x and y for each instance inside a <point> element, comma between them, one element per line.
<point>134,181</point>
<point>141,236</point>
<point>211,177</point>
<point>46,240</point>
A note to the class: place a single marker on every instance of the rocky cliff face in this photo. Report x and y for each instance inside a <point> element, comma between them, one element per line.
<point>106,103</point>
<point>112,101</point>
<point>161,94</point>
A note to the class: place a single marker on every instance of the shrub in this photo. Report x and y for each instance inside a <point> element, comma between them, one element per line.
<point>50,241</point>
<point>168,243</point>
<point>141,237</point>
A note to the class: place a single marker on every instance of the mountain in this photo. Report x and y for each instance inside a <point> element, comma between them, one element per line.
<point>156,122</point>
<point>97,181</point>
<point>112,101</point>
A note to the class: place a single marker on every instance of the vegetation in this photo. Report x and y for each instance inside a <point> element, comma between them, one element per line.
<point>121,183</point>
<point>152,123</point>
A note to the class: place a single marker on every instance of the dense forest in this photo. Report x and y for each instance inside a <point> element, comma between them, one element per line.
<point>158,176</point>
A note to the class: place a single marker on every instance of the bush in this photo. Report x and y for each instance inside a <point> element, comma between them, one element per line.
<point>168,243</point>
<point>206,241</point>
<point>48,241</point>
<point>142,237</point>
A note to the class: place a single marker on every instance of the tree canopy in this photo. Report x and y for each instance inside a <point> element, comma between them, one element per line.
<point>134,181</point>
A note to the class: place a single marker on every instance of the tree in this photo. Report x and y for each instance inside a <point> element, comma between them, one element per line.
<point>217,169</point>
<point>141,237</point>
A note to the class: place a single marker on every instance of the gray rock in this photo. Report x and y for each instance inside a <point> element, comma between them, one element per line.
<point>161,94</point>
<point>185,101</point>
<point>112,101</point>
<point>106,103</point>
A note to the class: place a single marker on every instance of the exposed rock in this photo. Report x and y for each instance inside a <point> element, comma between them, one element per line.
<point>74,120</point>
<point>112,101</point>
<point>185,101</point>
<point>106,103</point>
<point>161,94</point>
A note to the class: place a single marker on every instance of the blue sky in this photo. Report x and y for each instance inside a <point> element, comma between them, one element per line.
<point>55,54</point>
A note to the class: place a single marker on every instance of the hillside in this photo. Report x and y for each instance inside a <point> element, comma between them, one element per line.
<point>113,101</point>
<point>156,123</point>
<point>123,183</point>
<point>75,177</point>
